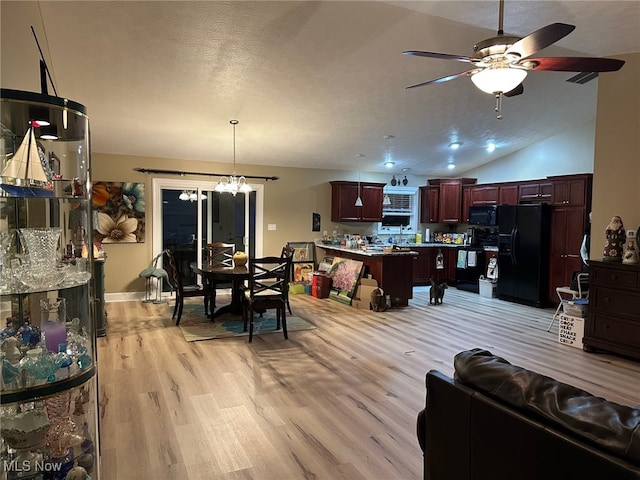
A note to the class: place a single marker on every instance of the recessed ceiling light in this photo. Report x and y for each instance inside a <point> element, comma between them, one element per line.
<point>491,147</point>
<point>451,166</point>
<point>406,169</point>
<point>389,163</point>
<point>455,145</point>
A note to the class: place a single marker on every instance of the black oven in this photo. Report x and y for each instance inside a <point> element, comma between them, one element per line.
<point>485,215</point>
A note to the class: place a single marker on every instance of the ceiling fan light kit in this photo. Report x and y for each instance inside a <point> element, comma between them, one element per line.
<point>500,64</point>
<point>494,80</point>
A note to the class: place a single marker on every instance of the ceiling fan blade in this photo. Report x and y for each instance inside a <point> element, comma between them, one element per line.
<point>540,39</point>
<point>447,78</point>
<point>574,64</point>
<point>443,56</point>
<point>519,90</point>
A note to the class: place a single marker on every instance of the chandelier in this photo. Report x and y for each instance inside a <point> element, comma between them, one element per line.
<point>233,184</point>
<point>191,196</point>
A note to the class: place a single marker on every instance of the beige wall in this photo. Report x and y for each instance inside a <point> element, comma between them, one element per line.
<point>288,203</point>
<point>616,179</point>
<point>569,152</point>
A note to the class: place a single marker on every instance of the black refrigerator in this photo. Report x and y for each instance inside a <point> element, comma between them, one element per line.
<point>523,253</point>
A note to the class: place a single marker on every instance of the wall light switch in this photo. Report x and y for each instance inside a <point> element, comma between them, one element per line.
<point>271,226</point>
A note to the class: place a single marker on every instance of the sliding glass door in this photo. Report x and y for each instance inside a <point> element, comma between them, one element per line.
<point>188,215</point>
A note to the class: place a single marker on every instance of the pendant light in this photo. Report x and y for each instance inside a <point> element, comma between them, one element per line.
<point>388,162</point>
<point>359,200</point>
<point>233,184</point>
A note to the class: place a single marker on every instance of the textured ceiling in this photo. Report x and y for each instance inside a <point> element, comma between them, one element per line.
<point>313,84</point>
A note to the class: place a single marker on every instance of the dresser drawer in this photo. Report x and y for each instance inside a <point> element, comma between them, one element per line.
<point>615,278</point>
<point>619,302</point>
<point>625,332</point>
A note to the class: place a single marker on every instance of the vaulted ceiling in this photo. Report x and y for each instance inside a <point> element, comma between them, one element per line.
<point>313,84</point>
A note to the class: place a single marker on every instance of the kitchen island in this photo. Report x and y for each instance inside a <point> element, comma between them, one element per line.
<point>393,271</point>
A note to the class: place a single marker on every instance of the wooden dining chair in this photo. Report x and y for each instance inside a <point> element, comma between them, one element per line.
<point>267,289</point>
<point>186,291</point>
<point>287,251</point>
<point>219,254</point>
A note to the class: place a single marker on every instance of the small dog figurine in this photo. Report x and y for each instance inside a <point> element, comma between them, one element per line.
<point>378,302</point>
<point>436,293</point>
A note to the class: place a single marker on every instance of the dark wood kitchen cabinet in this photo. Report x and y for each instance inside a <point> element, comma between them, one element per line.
<point>450,198</point>
<point>424,265</point>
<point>343,199</point>
<point>508,194</point>
<point>567,230</point>
<point>429,204</point>
<point>570,209</point>
<point>478,195</point>
<point>483,195</point>
<point>450,202</point>
<point>535,192</point>
<point>613,323</point>
<point>424,268</point>
<point>572,190</point>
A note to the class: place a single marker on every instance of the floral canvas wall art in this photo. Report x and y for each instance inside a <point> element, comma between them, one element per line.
<point>120,212</point>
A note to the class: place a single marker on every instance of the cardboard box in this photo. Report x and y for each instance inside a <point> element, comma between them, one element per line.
<point>488,288</point>
<point>570,330</point>
<point>362,298</point>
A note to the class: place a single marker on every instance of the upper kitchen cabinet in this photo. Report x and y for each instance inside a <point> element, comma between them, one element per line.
<point>508,194</point>
<point>429,204</point>
<point>536,191</point>
<point>343,199</point>
<point>483,194</point>
<point>450,198</point>
<point>572,190</point>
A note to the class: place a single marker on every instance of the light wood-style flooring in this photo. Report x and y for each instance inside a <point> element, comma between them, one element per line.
<point>336,402</point>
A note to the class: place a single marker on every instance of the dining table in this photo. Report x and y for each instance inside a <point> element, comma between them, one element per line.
<point>236,275</point>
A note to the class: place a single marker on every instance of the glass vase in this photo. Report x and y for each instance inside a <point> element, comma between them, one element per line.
<point>64,432</point>
<point>41,244</point>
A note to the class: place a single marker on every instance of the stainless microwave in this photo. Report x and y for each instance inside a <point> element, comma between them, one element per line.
<point>485,215</point>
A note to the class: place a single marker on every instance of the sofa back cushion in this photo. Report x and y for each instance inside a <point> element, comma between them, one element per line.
<point>614,428</point>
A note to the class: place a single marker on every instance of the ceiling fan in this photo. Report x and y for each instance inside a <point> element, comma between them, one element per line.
<point>501,63</point>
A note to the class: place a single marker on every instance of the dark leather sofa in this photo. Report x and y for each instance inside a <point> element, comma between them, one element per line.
<point>497,421</point>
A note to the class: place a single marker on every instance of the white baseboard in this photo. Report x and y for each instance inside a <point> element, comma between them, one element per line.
<point>131,296</point>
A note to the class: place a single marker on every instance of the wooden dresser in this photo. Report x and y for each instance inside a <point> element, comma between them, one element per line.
<point>614,309</point>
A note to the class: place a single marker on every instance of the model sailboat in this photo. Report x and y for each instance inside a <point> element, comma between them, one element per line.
<point>24,173</point>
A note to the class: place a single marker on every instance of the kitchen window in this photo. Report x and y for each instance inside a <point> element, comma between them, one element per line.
<point>402,215</point>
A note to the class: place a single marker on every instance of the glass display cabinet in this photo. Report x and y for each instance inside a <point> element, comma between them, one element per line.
<point>48,386</point>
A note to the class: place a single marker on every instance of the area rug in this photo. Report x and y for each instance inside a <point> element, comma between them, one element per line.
<point>195,326</point>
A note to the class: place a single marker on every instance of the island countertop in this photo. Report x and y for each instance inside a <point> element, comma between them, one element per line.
<point>378,250</point>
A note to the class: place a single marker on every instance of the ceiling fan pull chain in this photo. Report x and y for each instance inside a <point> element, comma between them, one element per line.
<point>498,105</point>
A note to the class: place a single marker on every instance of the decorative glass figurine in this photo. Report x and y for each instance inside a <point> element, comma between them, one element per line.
<point>630,254</point>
